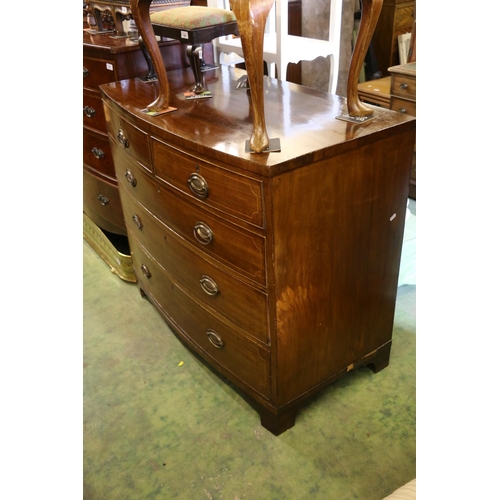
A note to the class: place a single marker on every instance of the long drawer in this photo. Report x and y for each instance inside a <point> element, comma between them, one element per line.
<point>97,153</point>
<point>231,193</point>
<point>225,347</point>
<point>101,202</point>
<point>242,304</point>
<point>97,71</point>
<point>233,245</point>
<point>93,112</point>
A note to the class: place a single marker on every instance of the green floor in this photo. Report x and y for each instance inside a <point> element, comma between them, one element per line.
<point>159,424</point>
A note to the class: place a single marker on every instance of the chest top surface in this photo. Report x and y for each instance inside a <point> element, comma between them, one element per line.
<point>106,43</point>
<point>302,118</point>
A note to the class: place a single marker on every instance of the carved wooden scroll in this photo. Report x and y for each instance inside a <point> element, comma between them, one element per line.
<point>140,13</point>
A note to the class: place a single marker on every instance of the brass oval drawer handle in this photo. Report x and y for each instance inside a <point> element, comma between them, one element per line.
<point>137,221</point>
<point>130,178</point>
<point>86,72</point>
<point>198,185</point>
<point>98,153</point>
<point>122,139</point>
<point>145,271</point>
<point>104,201</point>
<point>215,339</point>
<point>203,233</point>
<point>402,110</point>
<point>404,86</point>
<point>90,112</point>
<point>209,286</point>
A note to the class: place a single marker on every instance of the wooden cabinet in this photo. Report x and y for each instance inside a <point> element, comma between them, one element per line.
<point>396,18</point>
<point>278,269</point>
<point>109,59</point>
<point>376,92</point>
<point>404,100</point>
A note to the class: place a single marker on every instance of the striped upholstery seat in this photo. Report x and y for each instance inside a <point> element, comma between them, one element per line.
<point>191,18</point>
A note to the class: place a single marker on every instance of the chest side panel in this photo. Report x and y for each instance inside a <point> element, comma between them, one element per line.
<point>338,228</point>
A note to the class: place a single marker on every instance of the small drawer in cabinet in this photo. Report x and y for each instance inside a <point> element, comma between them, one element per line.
<point>225,346</point>
<point>229,192</point>
<point>404,106</point>
<point>97,153</point>
<point>97,72</point>
<point>240,303</point>
<point>404,86</point>
<point>93,112</point>
<point>101,202</point>
<point>237,248</point>
<point>131,140</point>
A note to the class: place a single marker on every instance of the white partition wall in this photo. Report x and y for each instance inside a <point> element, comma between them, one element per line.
<point>280,48</point>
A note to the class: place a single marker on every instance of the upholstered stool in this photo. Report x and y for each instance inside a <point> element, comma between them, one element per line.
<point>194,26</point>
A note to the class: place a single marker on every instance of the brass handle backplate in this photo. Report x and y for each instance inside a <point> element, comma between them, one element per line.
<point>215,339</point>
<point>90,112</point>
<point>122,139</point>
<point>145,271</point>
<point>104,201</point>
<point>198,185</point>
<point>130,178</point>
<point>209,286</point>
<point>203,233</point>
<point>137,220</point>
<point>98,153</point>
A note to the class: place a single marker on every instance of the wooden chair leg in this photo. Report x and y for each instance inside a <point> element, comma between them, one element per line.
<point>251,16</point>
<point>151,75</point>
<point>194,53</point>
<point>140,12</point>
<point>369,18</point>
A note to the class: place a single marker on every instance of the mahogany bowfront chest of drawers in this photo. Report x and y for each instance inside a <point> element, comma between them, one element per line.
<point>279,269</point>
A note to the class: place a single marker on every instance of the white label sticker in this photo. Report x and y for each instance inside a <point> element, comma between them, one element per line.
<point>393,217</point>
<point>109,66</point>
<point>184,34</point>
<point>124,10</point>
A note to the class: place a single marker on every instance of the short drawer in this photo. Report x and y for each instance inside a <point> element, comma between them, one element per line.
<point>97,153</point>
<point>404,86</point>
<point>101,202</point>
<point>227,191</point>
<point>131,140</point>
<point>240,303</point>
<point>93,112</point>
<point>223,345</point>
<point>404,106</point>
<point>237,248</point>
<point>97,72</point>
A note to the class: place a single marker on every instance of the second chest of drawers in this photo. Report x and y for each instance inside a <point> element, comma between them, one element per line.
<point>404,100</point>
